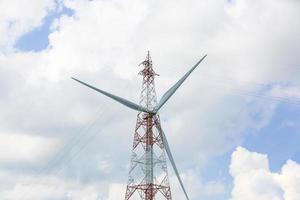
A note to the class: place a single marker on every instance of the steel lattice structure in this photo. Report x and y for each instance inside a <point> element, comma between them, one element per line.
<point>148,175</point>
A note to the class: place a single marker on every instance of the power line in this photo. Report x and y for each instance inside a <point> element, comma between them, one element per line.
<point>75,140</point>
<point>244,92</point>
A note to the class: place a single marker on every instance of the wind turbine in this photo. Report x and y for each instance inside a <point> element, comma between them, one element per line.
<point>149,118</point>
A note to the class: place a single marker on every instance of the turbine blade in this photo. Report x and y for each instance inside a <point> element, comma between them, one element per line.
<point>116,98</point>
<point>173,89</point>
<point>167,147</point>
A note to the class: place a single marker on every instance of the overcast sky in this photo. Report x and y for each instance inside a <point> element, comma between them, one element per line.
<point>233,126</point>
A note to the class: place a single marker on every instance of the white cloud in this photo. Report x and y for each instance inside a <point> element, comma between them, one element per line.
<point>104,41</point>
<point>33,192</point>
<point>86,193</point>
<point>289,180</point>
<point>44,187</point>
<point>244,161</point>
<point>28,149</point>
<point>286,92</point>
<point>253,179</point>
<point>196,188</point>
<point>116,191</point>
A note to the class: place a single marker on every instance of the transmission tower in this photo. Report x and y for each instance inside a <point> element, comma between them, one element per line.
<point>148,175</point>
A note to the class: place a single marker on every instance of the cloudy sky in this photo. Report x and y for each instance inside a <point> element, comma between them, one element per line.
<point>233,126</point>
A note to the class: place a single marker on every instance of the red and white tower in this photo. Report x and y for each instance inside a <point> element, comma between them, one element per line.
<point>148,175</point>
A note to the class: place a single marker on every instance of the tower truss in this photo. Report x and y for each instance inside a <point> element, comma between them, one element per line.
<point>148,176</point>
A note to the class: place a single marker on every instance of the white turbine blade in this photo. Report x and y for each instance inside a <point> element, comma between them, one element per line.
<point>167,147</point>
<point>173,89</point>
<point>116,98</point>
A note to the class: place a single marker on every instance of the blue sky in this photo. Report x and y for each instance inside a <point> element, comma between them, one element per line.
<point>279,140</point>
<point>37,39</point>
<point>240,108</point>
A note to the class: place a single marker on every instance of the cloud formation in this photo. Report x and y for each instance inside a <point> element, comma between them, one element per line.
<point>253,179</point>
<point>252,49</point>
<point>20,148</point>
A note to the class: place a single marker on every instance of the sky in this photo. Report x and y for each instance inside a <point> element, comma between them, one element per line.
<point>233,126</point>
